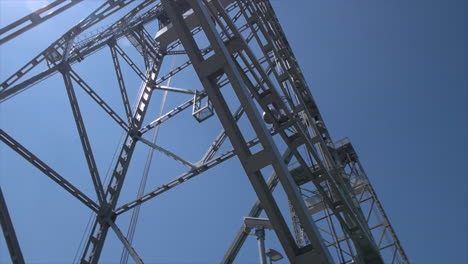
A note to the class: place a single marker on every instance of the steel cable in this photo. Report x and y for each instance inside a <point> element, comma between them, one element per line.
<point>141,189</point>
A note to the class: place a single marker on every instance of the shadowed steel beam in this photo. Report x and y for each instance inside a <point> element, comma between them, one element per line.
<point>8,88</point>
<point>126,243</point>
<point>181,179</point>
<point>268,73</point>
<point>352,215</point>
<point>9,232</point>
<point>256,210</point>
<point>220,138</point>
<point>120,80</point>
<point>16,146</point>
<point>178,110</point>
<point>129,61</point>
<point>100,228</point>
<point>27,22</point>
<point>174,72</point>
<point>207,71</point>
<point>222,135</point>
<point>98,99</point>
<point>80,126</point>
<point>188,62</point>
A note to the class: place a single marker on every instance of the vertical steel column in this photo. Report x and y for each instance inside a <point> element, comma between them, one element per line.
<point>95,242</point>
<point>260,234</point>
<point>9,232</point>
<point>207,71</point>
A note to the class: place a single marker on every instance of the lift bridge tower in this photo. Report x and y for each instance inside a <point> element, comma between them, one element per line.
<point>250,82</point>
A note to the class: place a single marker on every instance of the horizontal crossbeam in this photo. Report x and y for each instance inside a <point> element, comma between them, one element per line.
<point>181,179</point>
<point>168,153</point>
<point>175,90</point>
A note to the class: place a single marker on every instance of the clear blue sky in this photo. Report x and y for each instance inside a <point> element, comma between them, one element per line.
<point>390,75</point>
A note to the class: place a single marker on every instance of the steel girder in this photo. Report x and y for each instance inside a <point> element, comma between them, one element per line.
<point>9,232</point>
<point>247,52</point>
<point>208,70</point>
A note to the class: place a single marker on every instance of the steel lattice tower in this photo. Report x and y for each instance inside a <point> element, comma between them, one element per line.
<point>231,45</point>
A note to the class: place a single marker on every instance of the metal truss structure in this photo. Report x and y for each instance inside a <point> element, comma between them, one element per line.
<point>231,45</point>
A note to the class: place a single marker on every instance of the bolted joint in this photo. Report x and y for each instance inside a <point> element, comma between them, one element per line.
<point>134,132</point>
<point>79,56</point>
<point>76,30</point>
<point>64,67</point>
<point>160,55</point>
<point>111,42</point>
<point>162,51</point>
<point>106,214</point>
<point>274,117</point>
<point>203,168</point>
<point>259,232</point>
<point>151,84</point>
<point>113,216</point>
